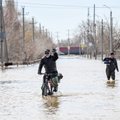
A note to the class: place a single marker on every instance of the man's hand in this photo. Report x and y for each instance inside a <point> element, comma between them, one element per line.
<point>117,70</point>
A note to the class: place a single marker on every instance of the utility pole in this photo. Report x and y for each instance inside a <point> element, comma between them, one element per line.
<point>58,39</point>
<point>111,32</point>
<point>1,30</point>
<point>23,13</point>
<point>68,42</point>
<point>102,39</point>
<point>88,29</point>
<point>43,31</point>
<point>46,31</point>
<point>40,28</point>
<point>4,51</point>
<point>58,42</point>
<point>79,45</point>
<point>5,42</point>
<point>33,29</point>
<point>23,32</point>
<point>94,33</point>
<point>23,41</point>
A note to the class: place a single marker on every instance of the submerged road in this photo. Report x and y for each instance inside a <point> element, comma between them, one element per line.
<point>83,93</point>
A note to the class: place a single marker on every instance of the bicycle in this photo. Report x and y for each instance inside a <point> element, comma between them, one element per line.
<point>50,83</point>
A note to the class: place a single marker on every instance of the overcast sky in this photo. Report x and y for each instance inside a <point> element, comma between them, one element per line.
<point>61,15</point>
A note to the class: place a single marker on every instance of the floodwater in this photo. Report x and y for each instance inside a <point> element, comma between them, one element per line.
<point>83,93</point>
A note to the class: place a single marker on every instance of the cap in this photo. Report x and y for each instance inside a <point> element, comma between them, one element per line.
<point>47,51</point>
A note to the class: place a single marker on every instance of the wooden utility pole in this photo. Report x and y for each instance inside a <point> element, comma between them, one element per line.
<point>3,46</point>
<point>1,30</point>
<point>46,31</point>
<point>58,42</point>
<point>23,14</point>
<point>58,38</point>
<point>23,41</point>
<point>102,39</point>
<point>94,34</point>
<point>68,42</point>
<point>79,45</point>
<point>40,29</point>
<point>88,30</point>
<point>33,29</point>
<point>111,32</point>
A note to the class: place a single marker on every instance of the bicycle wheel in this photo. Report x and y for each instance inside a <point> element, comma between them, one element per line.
<point>44,90</point>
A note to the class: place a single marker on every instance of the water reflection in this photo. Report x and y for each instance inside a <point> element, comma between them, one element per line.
<point>52,101</point>
<point>51,107</point>
<point>111,84</point>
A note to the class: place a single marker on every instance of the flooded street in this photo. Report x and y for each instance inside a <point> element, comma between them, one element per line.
<point>83,93</point>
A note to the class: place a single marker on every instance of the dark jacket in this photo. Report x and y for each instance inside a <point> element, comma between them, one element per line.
<point>49,64</point>
<point>111,64</point>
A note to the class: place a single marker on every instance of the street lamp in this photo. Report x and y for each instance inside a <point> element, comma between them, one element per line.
<point>111,29</point>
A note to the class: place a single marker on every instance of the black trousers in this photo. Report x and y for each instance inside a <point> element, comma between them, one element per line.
<point>110,74</point>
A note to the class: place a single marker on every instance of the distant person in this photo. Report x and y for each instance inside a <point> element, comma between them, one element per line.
<point>111,65</point>
<point>49,63</point>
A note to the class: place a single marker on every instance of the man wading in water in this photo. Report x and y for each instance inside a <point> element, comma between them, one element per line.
<point>111,65</point>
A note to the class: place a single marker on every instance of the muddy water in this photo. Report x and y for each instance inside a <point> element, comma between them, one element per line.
<point>83,93</point>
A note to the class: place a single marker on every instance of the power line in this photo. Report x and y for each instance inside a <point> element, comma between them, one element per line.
<point>49,5</point>
<point>32,4</point>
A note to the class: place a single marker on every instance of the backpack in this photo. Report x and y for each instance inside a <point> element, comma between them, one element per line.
<point>107,61</point>
<point>56,79</point>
